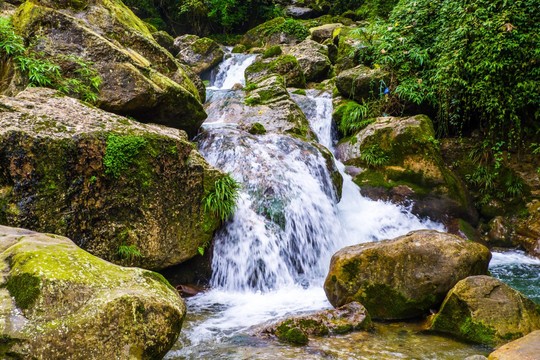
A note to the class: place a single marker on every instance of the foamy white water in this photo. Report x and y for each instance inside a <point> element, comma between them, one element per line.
<point>271,258</point>
<point>231,71</point>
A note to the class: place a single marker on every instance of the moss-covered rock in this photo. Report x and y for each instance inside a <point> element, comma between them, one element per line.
<point>59,302</point>
<point>313,59</point>
<point>323,32</point>
<point>349,317</point>
<point>274,32</point>
<point>404,277</point>
<point>286,66</point>
<point>483,309</point>
<point>107,182</point>
<point>362,83</point>
<point>201,54</point>
<point>257,129</point>
<point>165,40</point>
<point>525,348</point>
<point>393,152</point>
<point>139,77</point>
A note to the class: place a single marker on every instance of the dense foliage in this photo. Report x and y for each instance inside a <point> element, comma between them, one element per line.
<point>475,62</point>
<point>204,17</point>
<point>46,71</point>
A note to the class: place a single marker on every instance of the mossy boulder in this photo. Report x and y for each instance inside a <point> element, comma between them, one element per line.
<point>313,59</point>
<point>485,310</point>
<point>323,32</point>
<point>165,40</point>
<point>525,348</point>
<point>139,77</point>
<point>297,330</point>
<point>202,54</point>
<point>394,152</point>
<point>404,277</point>
<point>362,83</point>
<point>60,302</point>
<point>105,181</point>
<point>271,33</point>
<point>527,229</point>
<point>285,65</point>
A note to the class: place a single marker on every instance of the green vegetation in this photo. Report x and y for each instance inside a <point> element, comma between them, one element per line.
<point>120,153</point>
<point>461,58</point>
<point>25,289</point>
<point>273,51</point>
<point>257,129</point>
<point>158,277</point>
<point>352,117</point>
<point>221,201</point>
<point>45,70</point>
<point>290,27</point>
<point>128,252</point>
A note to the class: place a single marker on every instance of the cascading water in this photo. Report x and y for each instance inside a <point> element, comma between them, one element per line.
<point>270,259</point>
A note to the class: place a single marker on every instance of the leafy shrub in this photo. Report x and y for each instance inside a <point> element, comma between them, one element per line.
<point>221,202</point>
<point>475,62</point>
<point>128,251</point>
<point>374,156</point>
<point>46,71</point>
<point>353,117</point>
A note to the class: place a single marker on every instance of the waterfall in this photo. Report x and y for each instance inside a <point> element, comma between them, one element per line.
<point>230,71</point>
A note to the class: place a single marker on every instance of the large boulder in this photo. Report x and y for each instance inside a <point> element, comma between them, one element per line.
<point>485,310</point>
<point>527,230</point>
<point>398,159</point>
<point>103,180</point>
<point>313,59</point>
<point>201,54</point>
<point>286,66</point>
<point>139,77</point>
<point>59,302</point>
<point>526,348</point>
<point>362,83</point>
<point>350,317</point>
<point>324,32</point>
<point>273,32</point>
<point>404,277</point>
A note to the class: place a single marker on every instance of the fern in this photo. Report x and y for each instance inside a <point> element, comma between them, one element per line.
<point>221,202</point>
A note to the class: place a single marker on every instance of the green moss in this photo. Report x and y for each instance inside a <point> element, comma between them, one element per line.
<point>202,45</point>
<point>240,48</point>
<point>273,51</point>
<point>476,331</point>
<point>351,269</point>
<point>294,336</point>
<point>299,92</point>
<point>468,230</point>
<point>25,289</point>
<point>382,301</point>
<point>257,129</point>
<point>7,342</point>
<point>158,277</point>
<point>120,153</point>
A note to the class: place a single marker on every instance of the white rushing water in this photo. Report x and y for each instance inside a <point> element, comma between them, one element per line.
<point>271,258</point>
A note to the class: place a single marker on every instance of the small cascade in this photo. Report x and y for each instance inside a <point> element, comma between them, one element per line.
<point>230,71</point>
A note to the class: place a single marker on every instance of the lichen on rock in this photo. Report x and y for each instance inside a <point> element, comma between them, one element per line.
<point>54,293</point>
<point>103,180</point>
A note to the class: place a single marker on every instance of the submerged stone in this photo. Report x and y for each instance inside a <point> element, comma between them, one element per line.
<point>59,302</point>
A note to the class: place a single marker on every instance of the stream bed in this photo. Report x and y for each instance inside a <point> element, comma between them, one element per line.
<point>271,258</point>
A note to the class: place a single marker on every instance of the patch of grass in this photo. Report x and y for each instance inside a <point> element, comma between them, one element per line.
<point>221,201</point>
<point>128,252</point>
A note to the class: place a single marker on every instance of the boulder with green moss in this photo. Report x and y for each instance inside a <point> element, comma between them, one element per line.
<point>362,83</point>
<point>323,32</point>
<point>60,302</point>
<point>485,310</point>
<point>404,277</point>
<point>285,65</point>
<point>525,348</point>
<point>201,54</point>
<point>313,59</point>
<point>139,77</point>
<point>297,330</point>
<point>275,32</point>
<point>391,152</point>
<point>127,192</point>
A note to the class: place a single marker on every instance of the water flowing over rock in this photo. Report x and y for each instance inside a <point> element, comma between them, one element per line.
<point>404,277</point>
<point>103,180</point>
<point>397,160</point>
<point>526,348</point>
<point>59,302</point>
<point>140,78</point>
<point>485,310</point>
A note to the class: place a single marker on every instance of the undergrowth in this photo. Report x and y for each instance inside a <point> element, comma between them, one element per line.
<point>45,70</point>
